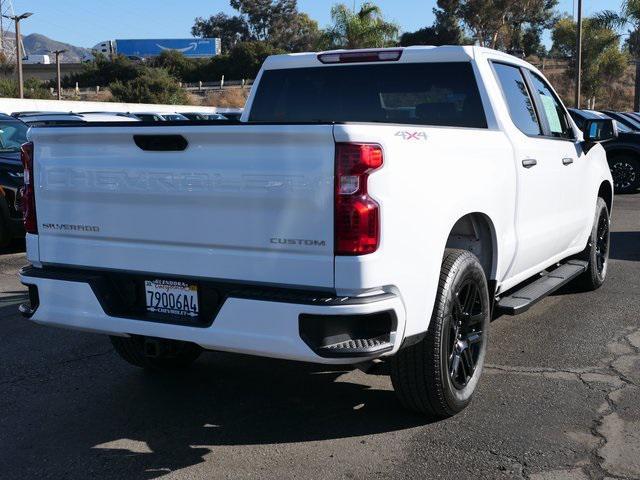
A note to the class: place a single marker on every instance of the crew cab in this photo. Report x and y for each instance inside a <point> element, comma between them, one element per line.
<point>375,204</point>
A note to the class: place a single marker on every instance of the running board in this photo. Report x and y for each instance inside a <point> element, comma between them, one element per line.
<point>520,301</point>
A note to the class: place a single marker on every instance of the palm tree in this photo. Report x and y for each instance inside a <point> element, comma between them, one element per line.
<point>629,15</point>
<point>366,28</point>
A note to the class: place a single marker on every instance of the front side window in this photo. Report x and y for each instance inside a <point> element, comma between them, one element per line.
<point>440,94</point>
<point>516,94</point>
<point>553,110</point>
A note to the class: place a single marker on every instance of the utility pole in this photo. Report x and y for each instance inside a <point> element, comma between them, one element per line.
<point>579,54</point>
<point>16,19</point>
<point>58,53</point>
<point>636,96</point>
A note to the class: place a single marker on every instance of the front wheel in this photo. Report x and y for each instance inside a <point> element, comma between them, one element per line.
<point>597,251</point>
<point>438,375</point>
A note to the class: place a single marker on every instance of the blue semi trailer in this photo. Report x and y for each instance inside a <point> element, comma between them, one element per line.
<point>142,49</point>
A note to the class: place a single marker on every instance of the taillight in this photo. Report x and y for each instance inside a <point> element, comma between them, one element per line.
<point>28,194</point>
<point>357,215</point>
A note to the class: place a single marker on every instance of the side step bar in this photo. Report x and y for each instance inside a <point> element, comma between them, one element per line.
<point>521,300</point>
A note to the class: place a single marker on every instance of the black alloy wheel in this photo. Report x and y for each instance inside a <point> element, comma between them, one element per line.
<point>465,333</point>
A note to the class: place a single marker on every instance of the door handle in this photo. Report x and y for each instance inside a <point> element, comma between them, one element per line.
<point>567,161</point>
<point>529,162</point>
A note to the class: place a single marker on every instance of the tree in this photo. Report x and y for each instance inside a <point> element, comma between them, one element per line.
<point>362,29</point>
<point>296,34</point>
<point>447,23</point>
<point>176,64</point>
<point>246,59</point>
<point>277,22</point>
<point>526,21</point>
<point>154,85</point>
<point>230,30</point>
<point>602,61</point>
<point>424,36</point>
<point>630,15</point>
<point>500,24</point>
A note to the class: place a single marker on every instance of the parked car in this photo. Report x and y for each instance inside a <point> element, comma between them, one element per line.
<point>346,220</point>
<point>233,115</point>
<point>13,133</point>
<point>623,153</point>
<point>204,116</point>
<point>148,116</point>
<point>173,117</point>
<point>48,119</point>
<point>159,117</point>
<point>626,120</point>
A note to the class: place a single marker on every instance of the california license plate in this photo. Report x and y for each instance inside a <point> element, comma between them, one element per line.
<point>171,297</point>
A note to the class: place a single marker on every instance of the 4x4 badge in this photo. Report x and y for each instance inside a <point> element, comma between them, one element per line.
<point>408,135</point>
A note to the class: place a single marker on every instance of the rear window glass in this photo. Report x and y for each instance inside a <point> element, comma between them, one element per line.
<point>442,94</point>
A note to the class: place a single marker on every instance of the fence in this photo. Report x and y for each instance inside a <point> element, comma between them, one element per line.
<point>195,88</point>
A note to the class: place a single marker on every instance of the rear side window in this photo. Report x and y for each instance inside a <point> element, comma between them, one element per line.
<point>518,99</point>
<point>442,94</point>
<point>559,125</point>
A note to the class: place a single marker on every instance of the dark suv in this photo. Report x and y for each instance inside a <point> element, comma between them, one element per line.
<point>13,133</point>
<point>623,153</point>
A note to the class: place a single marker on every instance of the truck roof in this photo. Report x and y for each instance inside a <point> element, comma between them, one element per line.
<point>413,54</point>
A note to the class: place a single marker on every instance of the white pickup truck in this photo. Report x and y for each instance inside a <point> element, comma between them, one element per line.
<point>370,204</point>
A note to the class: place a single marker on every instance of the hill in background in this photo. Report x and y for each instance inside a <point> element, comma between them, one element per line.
<point>36,44</point>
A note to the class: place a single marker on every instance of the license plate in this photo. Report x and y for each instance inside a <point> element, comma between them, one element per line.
<point>171,297</point>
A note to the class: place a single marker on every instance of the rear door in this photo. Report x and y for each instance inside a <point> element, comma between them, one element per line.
<point>249,203</point>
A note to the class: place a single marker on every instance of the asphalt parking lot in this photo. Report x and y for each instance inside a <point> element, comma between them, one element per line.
<point>560,399</point>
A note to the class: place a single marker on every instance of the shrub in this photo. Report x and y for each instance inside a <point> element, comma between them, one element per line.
<point>33,88</point>
<point>154,85</point>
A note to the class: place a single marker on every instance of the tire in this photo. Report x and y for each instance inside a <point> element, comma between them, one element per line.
<point>420,373</point>
<point>625,170</point>
<point>597,250</point>
<point>169,355</point>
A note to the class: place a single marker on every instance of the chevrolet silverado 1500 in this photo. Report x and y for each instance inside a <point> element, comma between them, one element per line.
<point>369,204</point>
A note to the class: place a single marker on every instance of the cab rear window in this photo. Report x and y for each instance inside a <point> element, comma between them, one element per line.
<point>440,94</point>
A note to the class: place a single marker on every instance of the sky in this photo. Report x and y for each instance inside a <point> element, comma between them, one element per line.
<point>85,23</point>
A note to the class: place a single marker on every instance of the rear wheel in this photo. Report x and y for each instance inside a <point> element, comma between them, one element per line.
<point>438,375</point>
<point>155,353</point>
<point>597,251</point>
<point>625,170</point>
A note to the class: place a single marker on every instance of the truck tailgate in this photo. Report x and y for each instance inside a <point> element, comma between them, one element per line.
<point>250,203</point>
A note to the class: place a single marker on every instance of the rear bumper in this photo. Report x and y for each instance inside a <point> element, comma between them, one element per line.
<point>267,325</point>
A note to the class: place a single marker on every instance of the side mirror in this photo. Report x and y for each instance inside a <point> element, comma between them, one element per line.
<point>600,130</point>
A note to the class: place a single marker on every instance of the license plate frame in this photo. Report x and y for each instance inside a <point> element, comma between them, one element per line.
<point>172,299</point>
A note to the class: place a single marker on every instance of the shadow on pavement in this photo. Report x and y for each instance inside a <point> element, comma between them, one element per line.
<point>144,425</point>
<point>625,246</point>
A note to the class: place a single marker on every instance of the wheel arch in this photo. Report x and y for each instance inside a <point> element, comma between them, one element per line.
<point>623,149</point>
<point>606,193</point>
<point>475,232</point>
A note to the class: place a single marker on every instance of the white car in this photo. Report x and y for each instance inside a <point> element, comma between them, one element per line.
<point>371,204</point>
<point>159,116</point>
<point>41,119</point>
